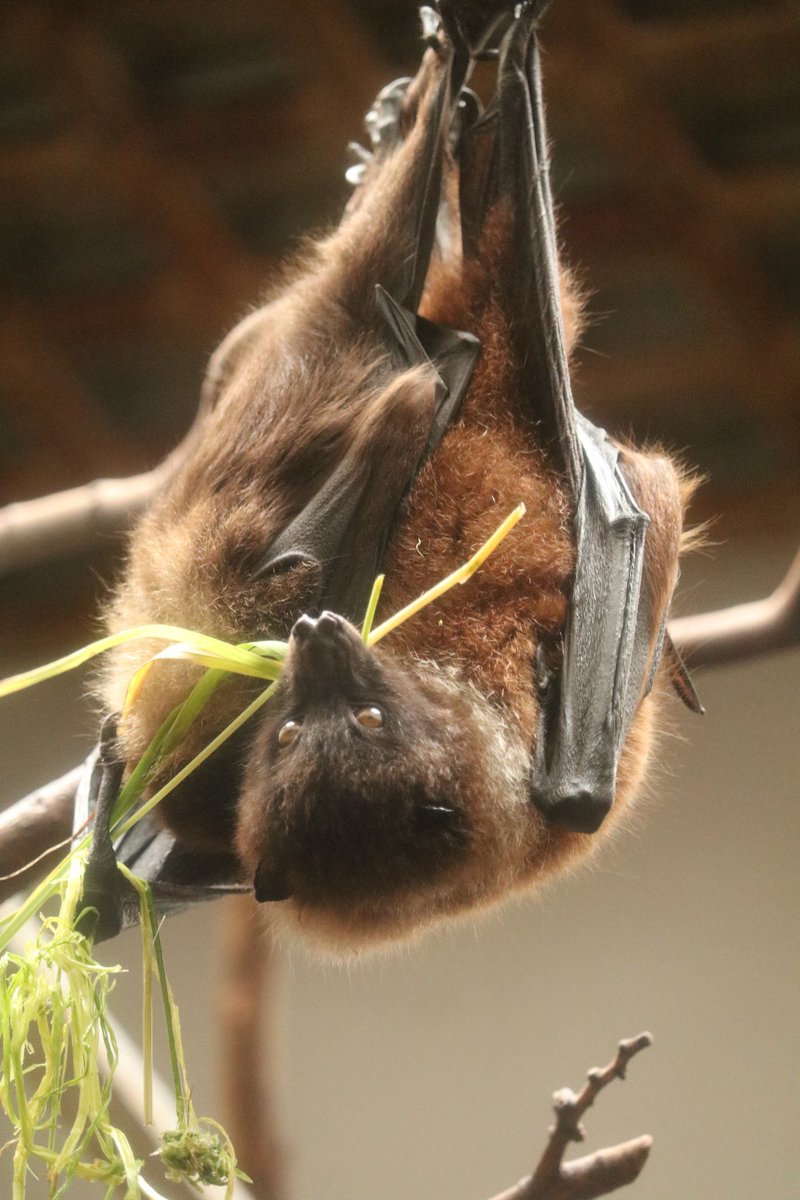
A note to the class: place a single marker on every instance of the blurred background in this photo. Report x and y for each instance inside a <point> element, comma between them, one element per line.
<point>158,158</point>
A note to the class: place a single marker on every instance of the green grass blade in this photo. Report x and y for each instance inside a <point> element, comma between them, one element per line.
<point>198,759</point>
<point>168,633</point>
<point>372,605</point>
<point>460,575</point>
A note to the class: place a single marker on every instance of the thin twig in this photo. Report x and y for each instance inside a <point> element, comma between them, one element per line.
<point>744,630</point>
<point>34,862</point>
<point>599,1173</point>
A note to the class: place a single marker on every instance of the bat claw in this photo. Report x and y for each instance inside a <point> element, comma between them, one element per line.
<point>356,173</point>
<point>431,24</point>
<point>108,900</point>
<point>383,121</point>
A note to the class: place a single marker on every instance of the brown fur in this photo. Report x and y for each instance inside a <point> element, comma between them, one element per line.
<point>289,394</point>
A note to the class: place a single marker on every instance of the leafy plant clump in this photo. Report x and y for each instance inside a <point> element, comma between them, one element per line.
<point>55,1030</point>
<point>195,1156</point>
<point>54,1023</point>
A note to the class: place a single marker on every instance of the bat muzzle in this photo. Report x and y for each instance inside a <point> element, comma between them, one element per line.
<point>328,655</point>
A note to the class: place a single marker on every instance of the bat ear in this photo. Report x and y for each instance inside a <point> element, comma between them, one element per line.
<point>657,488</point>
<point>270,883</point>
<point>680,678</point>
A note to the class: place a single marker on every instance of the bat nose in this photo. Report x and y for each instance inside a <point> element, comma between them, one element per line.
<point>326,626</point>
<point>327,655</point>
<point>581,811</point>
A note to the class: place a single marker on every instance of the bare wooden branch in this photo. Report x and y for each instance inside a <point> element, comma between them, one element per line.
<point>247,987</point>
<point>744,630</point>
<point>65,524</point>
<point>596,1174</point>
<point>39,531</point>
<point>31,826</point>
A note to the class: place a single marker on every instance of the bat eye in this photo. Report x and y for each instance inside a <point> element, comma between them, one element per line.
<point>370,717</point>
<point>287,733</point>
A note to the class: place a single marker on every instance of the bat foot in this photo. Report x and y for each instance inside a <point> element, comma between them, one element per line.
<point>384,121</point>
<point>478,25</point>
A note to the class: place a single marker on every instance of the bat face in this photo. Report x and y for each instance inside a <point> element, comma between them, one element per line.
<point>351,785</point>
<point>371,800</point>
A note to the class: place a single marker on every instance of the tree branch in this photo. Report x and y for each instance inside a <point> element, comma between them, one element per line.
<point>246,994</point>
<point>599,1173</point>
<point>33,532</point>
<point>66,524</point>
<point>31,827</point>
<point>743,630</point>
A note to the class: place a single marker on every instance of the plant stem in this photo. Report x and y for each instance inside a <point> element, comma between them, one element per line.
<point>461,575</point>
<point>205,753</point>
<point>154,957</point>
<point>369,615</point>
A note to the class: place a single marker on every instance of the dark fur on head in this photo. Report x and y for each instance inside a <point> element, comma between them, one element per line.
<point>348,811</point>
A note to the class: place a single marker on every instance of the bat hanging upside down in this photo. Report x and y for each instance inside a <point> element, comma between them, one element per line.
<point>402,392</point>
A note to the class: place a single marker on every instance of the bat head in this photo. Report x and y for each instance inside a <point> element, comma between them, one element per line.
<point>371,792</point>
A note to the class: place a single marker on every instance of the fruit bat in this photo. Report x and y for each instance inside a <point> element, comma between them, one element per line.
<point>405,387</point>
